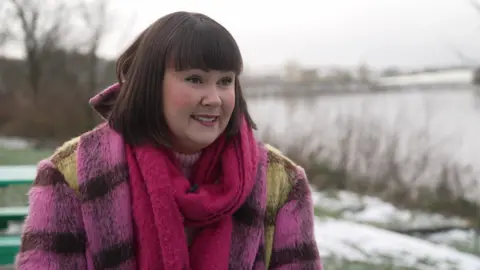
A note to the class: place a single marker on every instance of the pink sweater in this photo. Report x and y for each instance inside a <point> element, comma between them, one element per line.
<point>187,161</point>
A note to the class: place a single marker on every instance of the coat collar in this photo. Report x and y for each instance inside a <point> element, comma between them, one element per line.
<point>103,102</point>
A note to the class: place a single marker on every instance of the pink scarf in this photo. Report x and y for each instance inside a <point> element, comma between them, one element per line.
<point>164,202</point>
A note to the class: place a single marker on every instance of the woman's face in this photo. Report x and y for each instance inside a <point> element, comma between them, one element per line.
<point>197,106</point>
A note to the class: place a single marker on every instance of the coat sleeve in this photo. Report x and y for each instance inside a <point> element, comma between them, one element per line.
<point>294,246</point>
<point>53,236</point>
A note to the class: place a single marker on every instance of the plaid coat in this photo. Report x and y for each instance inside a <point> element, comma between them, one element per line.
<point>80,212</point>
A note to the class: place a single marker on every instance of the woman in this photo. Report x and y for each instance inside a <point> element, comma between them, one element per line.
<point>174,178</point>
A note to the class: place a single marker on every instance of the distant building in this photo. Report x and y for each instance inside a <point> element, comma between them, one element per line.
<point>295,73</point>
<point>476,86</point>
<point>308,75</point>
<point>476,77</point>
<point>454,78</point>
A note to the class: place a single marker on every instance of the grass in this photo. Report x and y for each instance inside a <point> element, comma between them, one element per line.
<point>16,195</point>
<point>22,156</point>
<point>323,212</point>
<point>467,246</point>
<point>384,262</point>
<point>333,262</point>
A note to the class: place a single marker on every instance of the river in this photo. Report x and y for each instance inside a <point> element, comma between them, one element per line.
<point>450,117</point>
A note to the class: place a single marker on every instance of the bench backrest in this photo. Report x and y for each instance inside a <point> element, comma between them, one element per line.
<point>17,175</point>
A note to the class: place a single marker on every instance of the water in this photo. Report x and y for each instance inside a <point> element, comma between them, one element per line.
<point>448,118</point>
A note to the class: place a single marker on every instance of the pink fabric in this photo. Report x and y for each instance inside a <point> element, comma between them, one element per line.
<point>92,228</point>
<point>162,203</point>
<point>187,161</point>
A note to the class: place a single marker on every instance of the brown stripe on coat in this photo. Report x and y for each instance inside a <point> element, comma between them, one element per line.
<point>304,252</point>
<point>59,243</point>
<point>48,176</point>
<point>260,254</point>
<point>247,215</point>
<point>114,256</point>
<point>299,191</point>
<point>101,185</point>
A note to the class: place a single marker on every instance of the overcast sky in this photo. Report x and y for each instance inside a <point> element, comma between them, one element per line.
<point>381,33</point>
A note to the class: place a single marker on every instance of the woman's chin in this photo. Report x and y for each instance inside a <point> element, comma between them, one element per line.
<point>204,141</point>
<point>195,143</point>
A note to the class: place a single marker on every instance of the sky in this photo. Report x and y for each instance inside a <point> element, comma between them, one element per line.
<point>380,33</point>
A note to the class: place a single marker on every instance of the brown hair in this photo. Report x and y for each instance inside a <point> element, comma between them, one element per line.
<point>186,40</point>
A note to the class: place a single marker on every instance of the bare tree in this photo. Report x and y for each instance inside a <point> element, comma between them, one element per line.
<point>4,35</point>
<point>476,5</point>
<point>4,29</point>
<point>460,54</point>
<point>99,21</point>
<point>95,17</point>
<point>41,27</point>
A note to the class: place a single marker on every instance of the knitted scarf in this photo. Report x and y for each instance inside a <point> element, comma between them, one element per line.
<point>164,202</point>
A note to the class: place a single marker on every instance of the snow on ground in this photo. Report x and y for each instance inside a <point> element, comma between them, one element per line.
<point>349,236</point>
<point>368,209</point>
<point>357,242</point>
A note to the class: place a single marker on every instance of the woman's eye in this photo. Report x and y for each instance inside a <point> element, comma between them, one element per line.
<point>226,81</point>
<point>194,79</point>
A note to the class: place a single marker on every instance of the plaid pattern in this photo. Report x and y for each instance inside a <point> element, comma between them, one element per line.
<point>53,237</point>
<point>294,245</point>
<point>81,196</point>
<point>290,240</point>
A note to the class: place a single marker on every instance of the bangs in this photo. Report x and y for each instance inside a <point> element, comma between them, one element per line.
<point>204,46</point>
<point>179,40</point>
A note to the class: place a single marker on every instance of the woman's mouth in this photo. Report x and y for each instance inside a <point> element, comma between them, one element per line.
<point>206,120</point>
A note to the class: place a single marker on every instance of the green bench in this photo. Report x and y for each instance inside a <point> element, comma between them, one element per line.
<point>14,175</point>
<point>12,214</point>
<point>9,176</point>
<point>9,247</point>
<point>17,175</point>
